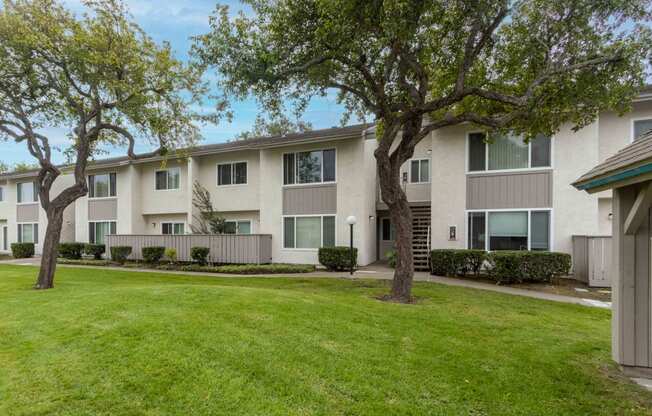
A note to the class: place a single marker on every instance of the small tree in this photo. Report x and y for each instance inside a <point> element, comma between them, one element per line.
<point>524,67</point>
<point>98,74</point>
<point>207,221</point>
<point>278,126</point>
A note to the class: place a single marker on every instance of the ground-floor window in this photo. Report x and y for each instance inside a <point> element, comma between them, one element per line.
<point>509,230</point>
<point>173,228</point>
<point>5,238</point>
<point>28,233</point>
<point>309,232</point>
<point>237,227</point>
<point>97,231</point>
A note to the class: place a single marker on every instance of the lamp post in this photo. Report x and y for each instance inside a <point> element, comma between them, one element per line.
<point>351,220</point>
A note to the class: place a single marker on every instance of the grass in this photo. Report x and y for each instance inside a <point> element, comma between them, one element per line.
<point>108,342</point>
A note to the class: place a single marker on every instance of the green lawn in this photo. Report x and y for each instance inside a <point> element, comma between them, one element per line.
<point>126,343</point>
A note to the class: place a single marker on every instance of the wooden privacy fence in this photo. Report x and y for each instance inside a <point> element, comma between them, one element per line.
<point>224,248</point>
<point>592,259</point>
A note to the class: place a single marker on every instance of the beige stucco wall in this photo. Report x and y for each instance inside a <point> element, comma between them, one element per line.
<point>152,223</point>
<point>605,219</point>
<point>168,201</point>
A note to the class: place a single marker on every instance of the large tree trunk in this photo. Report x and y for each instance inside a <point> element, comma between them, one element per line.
<point>50,249</point>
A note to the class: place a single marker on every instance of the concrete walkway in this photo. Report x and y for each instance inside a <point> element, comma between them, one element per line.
<point>374,271</point>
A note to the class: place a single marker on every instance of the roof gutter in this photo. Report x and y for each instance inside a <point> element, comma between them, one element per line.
<point>614,177</point>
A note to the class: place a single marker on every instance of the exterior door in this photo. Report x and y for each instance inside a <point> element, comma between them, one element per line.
<point>599,262</point>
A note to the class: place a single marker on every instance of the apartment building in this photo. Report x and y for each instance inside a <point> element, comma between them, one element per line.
<point>465,192</point>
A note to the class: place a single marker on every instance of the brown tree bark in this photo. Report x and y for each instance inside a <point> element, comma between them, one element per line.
<point>50,250</point>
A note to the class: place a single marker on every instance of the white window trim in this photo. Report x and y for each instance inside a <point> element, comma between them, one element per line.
<point>296,171</point>
<point>551,237</point>
<point>486,170</point>
<point>321,225</point>
<point>167,179</point>
<point>27,202</point>
<point>173,223</point>
<point>27,223</point>
<point>410,170</point>
<point>99,198</point>
<point>631,126</point>
<point>233,163</point>
<point>100,221</point>
<point>251,225</point>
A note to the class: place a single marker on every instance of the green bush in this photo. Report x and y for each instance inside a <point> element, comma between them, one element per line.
<point>120,253</point>
<point>85,262</point>
<point>171,254</point>
<point>243,268</point>
<point>153,254</point>
<point>338,258</point>
<point>95,250</point>
<point>391,258</point>
<point>71,251</point>
<point>527,266</point>
<point>456,262</point>
<point>22,250</point>
<point>200,255</point>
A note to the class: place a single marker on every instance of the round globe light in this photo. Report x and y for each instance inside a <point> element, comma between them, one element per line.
<point>351,219</point>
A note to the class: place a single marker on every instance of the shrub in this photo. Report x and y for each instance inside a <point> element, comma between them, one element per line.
<point>22,250</point>
<point>391,258</point>
<point>338,258</point>
<point>85,262</point>
<point>71,251</point>
<point>153,254</point>
<point>95,250</point>
<point>456,262</point>
<point>171,254</point>
<point>120,253</point>
<point>527,266</point>
<point>244,268</point>
<point>200,255</point>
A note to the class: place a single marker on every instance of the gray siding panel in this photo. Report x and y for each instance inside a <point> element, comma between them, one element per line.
<point>102,209</point>
<point>27,213</point>
<point>307,200</point>
<point>509,190</point>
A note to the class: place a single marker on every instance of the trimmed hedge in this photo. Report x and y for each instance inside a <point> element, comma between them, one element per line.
<point>71,251</point>
<point>338,258</point>
<point>153,254</point>
<point>22,250</point>
<point>84,262</point>
<point>278,268</point>
<point>95,250</point>
<point>527,266</point>
<point>455,262</point>
<point>120,253</point>
<point>200,255</point>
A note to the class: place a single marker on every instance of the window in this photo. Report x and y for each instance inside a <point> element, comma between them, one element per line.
<point>28,233</point>
<point>309,167</point>
<point>387,229</point>
<point>420,171</point>
<point>102,186</point>
<point>232,173</point>
<point>2,194</point>
<point>27,192</point>
<point>97,231</point>
<point>508,152</point>
<point>641,127</point>
<point>509,230</point>
<point>168,179</point>
<point>237,227</point>
<point>173,228</point>
<point>310,232</point>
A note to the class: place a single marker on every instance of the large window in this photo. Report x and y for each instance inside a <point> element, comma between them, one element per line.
<point>234,173</point>
<point>27,192</point>
<point>309,232</point>
<point>641,127</point>
<point>309,167</point>
<point>508,152</point>
<point>420,171</point>
<point>173,228</point>
<point>509,230</point>
<point>168,179</point>
<point>97,231</point>
<point>237,227</point>
<point>28,233</point>
<point>102,186</point>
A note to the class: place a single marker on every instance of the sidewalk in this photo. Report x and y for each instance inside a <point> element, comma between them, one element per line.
<point>374,271</point>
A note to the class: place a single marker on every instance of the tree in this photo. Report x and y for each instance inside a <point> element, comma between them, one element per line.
<point>523,67</point>
<point>4,167</point>
<point>98,74</point>
<point>279,126</point>
<point>208,221</point>
<point>25,167</point>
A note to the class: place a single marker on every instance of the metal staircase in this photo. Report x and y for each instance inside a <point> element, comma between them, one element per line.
<point>421,237</point>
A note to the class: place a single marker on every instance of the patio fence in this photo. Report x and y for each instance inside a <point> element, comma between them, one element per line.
<point>224,248</point>
<point>592,259</point>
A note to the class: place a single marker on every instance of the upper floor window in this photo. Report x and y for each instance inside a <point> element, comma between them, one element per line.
<point>173,228</point>
<point>508,152</point>
<point>234,173</point>
<point>102,186</point>
<point>641,127</point>
<point>27,192</point>
<point>237,227</point>
<point>168,179</point>
<point>317,166</point>
<point>420,171</point>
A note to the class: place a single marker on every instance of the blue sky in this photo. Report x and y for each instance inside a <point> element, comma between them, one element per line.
<point>176,22</point>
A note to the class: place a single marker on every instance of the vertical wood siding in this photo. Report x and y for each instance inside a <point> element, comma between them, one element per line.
<point>592,257</point>
<point>227,249</point>
<point>27,212</point>
<point>509,190</point>
<point>102,209</point>
<point>307,200</point>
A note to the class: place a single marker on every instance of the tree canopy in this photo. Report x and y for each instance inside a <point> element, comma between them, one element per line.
<point>278,126</point>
